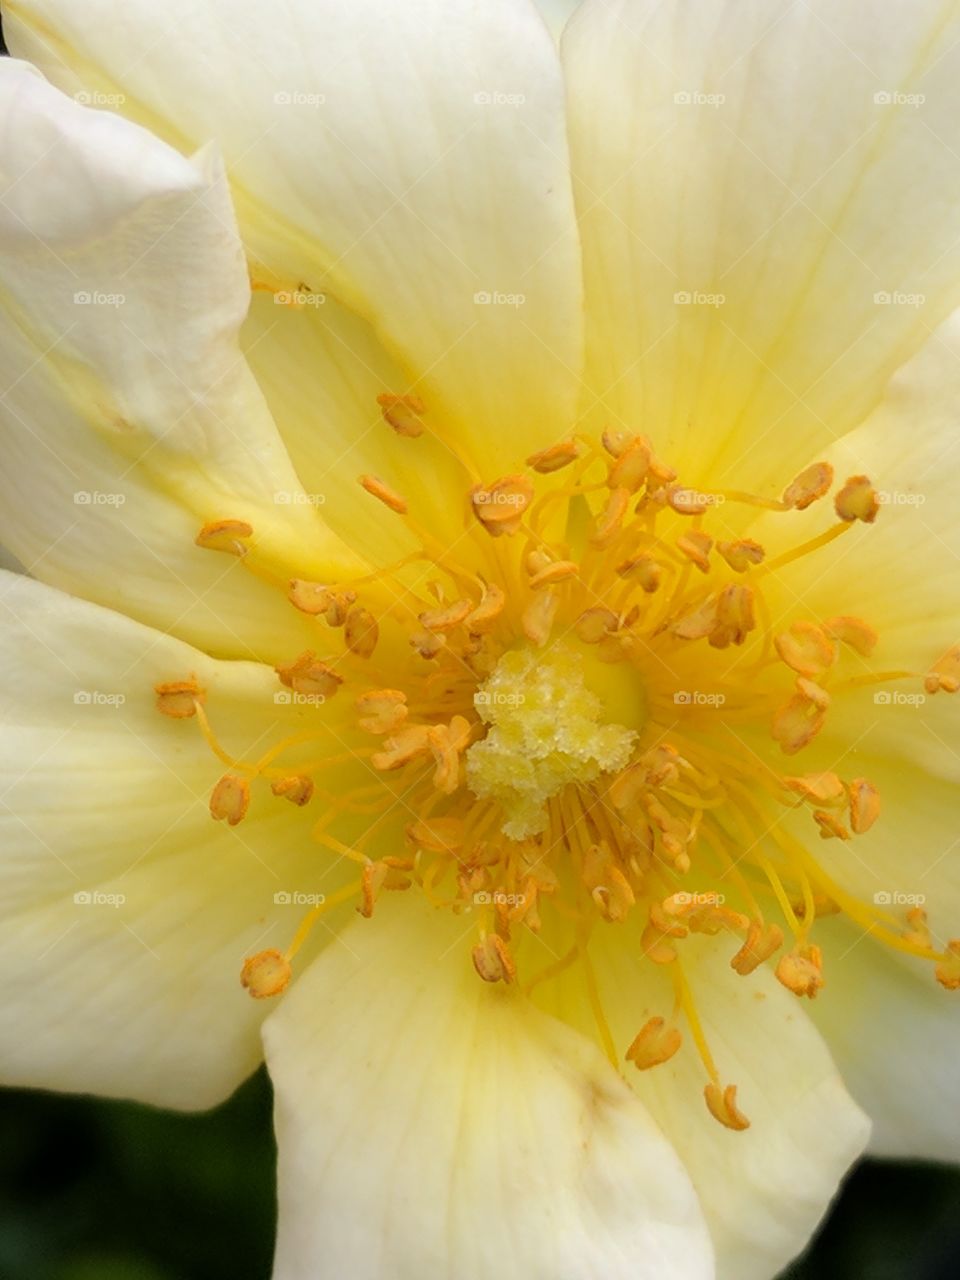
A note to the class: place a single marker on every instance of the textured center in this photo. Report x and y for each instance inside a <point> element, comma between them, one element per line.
<point>546,729</point>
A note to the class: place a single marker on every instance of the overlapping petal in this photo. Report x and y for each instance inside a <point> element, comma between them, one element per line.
<point>409,158</point>
<point>130,417</point>
<point>127,911</point>
<point>429,1127</point>
<point>764,1189</point>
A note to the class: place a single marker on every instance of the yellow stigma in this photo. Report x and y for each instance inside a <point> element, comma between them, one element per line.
<point>545,730</point>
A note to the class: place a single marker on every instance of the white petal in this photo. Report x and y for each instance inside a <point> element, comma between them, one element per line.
<point>556,13</point>
<point>751,176</point>
<point>896,1037</point>
<point>140,997</point>
<point>763,1190</point>
<point>131,420</point>
<point>409,158</point>
<point>431,1127</point>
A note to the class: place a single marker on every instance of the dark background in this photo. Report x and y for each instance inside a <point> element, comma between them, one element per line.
<point>97,1190</point>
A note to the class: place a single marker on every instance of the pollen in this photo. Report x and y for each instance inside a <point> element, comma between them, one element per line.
<point>266,974</point>
<point>178,698</point>
<point>552,721</point>
<point>546,730</point>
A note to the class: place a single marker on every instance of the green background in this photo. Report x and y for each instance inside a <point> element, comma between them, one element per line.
<point>95,1190</point>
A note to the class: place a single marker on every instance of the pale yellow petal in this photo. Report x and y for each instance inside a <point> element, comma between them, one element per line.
<point>409,158</point>
<point>127,911</point>
<point>766,196</point>
<point>131,419</point>
<point>429,1127</point>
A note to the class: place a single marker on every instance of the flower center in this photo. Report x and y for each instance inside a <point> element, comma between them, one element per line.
<point>545,736</point>
<point>546,730</point>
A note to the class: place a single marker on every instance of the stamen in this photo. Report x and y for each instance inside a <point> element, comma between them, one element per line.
<point>225,535</point>
<point>296,788</point>
<point>179,698</point>
<point>308,676</point>
<point>740,555</point>
<point>945,673</point>
<point>379,489</point>
<point>864,805</point>
<point>493,961</point>
<point>808,486</point>
<point>723,1106</point>
<point>801,971</point>
<point>266,974</point>
<point>857,500</point>
<point>500,506</point>
<point>557,456</point>
<point>403,413</point>
<point>230,799</point>
<point>361,631</point>
<point>653,1044</point>
<point>806,648</point>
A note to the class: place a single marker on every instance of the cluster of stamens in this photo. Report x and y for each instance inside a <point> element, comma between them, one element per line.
<point>542,819</point>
